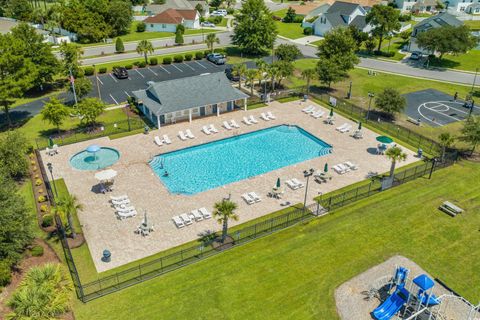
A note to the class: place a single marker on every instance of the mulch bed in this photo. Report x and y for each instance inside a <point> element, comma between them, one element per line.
<point>77,242</point>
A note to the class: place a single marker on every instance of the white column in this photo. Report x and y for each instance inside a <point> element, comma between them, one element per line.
<point>158,121</point>
<point>218,109</point>
<point>245,104</point>
<point>189,115</point>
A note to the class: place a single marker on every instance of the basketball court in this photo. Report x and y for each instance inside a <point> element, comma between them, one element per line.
<point>436,108</point>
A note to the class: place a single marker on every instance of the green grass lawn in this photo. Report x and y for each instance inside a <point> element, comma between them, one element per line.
<point>316,43</point>
<point>289,30</point>
<point>473,24</point>
<point>293,273</point>
<point>468,61</point>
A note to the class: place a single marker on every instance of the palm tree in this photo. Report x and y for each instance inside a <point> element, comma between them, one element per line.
<point>67,205</point>
<point>251,75</point>
<point>446,140</point>
<point>308,74</point>
<point>273,73</point>
<point>239,69</point>
<point>224,211</point>
<point>395,154</point>
<point>210,40</point>
<point>262,69</point>
<point>471,132</point>
<point>145,47</point>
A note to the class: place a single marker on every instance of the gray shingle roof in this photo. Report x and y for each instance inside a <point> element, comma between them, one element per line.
<point>335,19</point>
<point>344,8</point>
<point>439,20</point>
<point>190,92</point>
<point>360,22</point>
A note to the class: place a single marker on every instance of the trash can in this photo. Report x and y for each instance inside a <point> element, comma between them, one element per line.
<point>107,255</point>
<point>419,153</point>
<point>305,97</point>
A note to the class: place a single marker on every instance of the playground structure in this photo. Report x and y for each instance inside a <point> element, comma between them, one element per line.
<point>414,299</point>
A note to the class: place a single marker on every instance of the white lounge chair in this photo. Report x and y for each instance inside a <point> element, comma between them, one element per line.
<point>234,124</point>
<point>123,215</point>
<point>186,219</point>
<point>298,183</point>
<point>264,116</point>
<point>254,196</point>
<point>291,184</point>
<point>197,215</point>
<point>227,125</point>
<point>252,119</point>
<point>158,141</point>
<point>119,198</point>
<point>270,115</point>
<point>346,129</point>
<point>182,136</point>
<point>120,202</point>
<point>351,165</point>
<point>341,169</point>
<point>318,114</point>
<point>308,109</point>
<point>206,130</point>
<point>213,129</point>
<point>178,222</point>
<point>343,126</point>
<point>126,209</point>
<point>248,199</point>
<point>246,121</point>
<point>206,214</point>
<point>189,134</point>
<point>358,134</point>
<point>166,139</point>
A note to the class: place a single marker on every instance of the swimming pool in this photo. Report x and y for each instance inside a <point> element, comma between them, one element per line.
<point>214,164</point>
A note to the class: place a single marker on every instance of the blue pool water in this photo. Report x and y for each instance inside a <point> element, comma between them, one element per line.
<point>88,161</point>
<point>211,165</point>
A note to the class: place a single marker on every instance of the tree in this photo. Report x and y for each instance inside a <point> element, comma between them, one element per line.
<point>71,54</point>
<point>390,101</point>
<point>255,31</point>
<point>82,87</point>
<point>446,140</point>
<point>287,52</point>
<point>251,75</point>
<point>384,20</point>
<point>215,3</point>
<point>285,68</point>
<point>262,69</point>
<point>180,28</point>
<point>119,17</point>
<point>224,211</point>
<point>471,132</point>
<point>338,48</point>
<point>179,37</point>
<point>239,69</point>
<point>119,47</point>
<point>290,15</point>
<point>447,39</point>
<point>16,230</point>
<point>358,35</point>
<point>13,147</point>
<point>328,71</point>
<point>230,3</point>
<point>44,293</point>
<point>145,47</point>
<point>199,8</point>
<point>210,40</point>
<point>90,109</point>
<point>17,73</point>
<point>370,45</point>
<point>55,112</point>
<point>68,205</point>
<point>395,154</point>
<point>18,9</point>
<point>308,75</point>
<point>273,73</point>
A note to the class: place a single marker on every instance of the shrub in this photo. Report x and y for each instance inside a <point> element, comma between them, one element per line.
<point>298,19</point>
<point>141,26</point>
<point>178,58</point>
<point>153,61</point>
<point>142,64</point>
<point>47,221</point>
<point>5,273</point>
<point>206,52</point>
<point>216,19</point>
<point>34,169</point>
<point>40,190</point>
<point>199,55</point>
<point>128,66</point>
<point>220,50</point>
<point>188,57</point>
<point>38,182</point>
<point>36,176</point>
<point>230,10</point>
<point>32,162</point>
<point>102,70</point>
<point>167,60</point>
<point>308,31</point>
<point>405,17</point>
<point>36,251</point>
<point>43,208</point>
<point>41,199</point>
<point>119,47</point>
<point>89,71</point>
<point>136,63</point>
<point>384,53</point>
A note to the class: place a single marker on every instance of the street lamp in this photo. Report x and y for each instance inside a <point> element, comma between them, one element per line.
<point>370,95</point>
<point>307,174</point>
<point>50,168</point>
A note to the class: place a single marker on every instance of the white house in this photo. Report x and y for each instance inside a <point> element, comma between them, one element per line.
<point>153,9</point>
<point>169,19</point>
<point>459,5</point>
<point>340,14</point>
<point>416,5</point>
<point>473,8</point>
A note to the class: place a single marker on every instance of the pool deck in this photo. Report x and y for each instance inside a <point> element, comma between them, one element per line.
<point>136,179</point>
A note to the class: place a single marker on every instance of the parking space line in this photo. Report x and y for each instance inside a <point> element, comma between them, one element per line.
<point>189,66</point>
<point>100,81</point>
<point>208,64</point>
<point>165,70</point>
<point>140,73</point>
<point>113,77</point>
<point>127,93</point>
<point>114,99</point>
<point>177,68</point>
<point>201,65</point>
<point>153,71</point>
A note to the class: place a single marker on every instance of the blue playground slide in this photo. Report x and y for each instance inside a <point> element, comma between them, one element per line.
<point>392,305</point>
<point>432,300</point>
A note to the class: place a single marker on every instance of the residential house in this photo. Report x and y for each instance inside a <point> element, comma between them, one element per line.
<point>473,8</point>
<point>189,98</point>
<point>440,20</point>
<point>459,5</point>
<point>339,14</point>
<point>169,19</point>
<point>153,9</point>
<point>416,5</point>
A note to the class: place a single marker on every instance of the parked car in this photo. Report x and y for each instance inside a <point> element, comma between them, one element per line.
<point>208,24</point>
<point>230,75</point>
<point>219,12</point>
<point>416,55</point>
<point>120,72</point>
<point>216,58</point>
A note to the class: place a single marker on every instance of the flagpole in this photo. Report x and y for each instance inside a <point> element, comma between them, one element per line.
<point>72,81</point>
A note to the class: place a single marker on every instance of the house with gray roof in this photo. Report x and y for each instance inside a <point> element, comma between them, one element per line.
<point>154,9</point>
<point>339,14</point>
<point>188,98</point>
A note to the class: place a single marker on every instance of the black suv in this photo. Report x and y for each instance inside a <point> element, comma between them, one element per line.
<point>231,75</point>
<point>120,72</point>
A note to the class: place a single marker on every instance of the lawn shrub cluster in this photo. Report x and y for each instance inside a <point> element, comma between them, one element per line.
<point>188,57</point>
<point>141,27</point>
<point>167,60</point>
<point>37,251</point>
<point>102,70</point>
<point>308,31</point>
<point>178,58</point>
<point>199,55</point>
<point>88,71</point>
<point>153,61</point>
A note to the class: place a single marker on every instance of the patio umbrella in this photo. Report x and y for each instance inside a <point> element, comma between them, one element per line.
<point>278,183</point>
<point>331,112</point>
<point>106,174</point>
<point>360,125</point>
<point>325,168</point>
<point>384,139</point>
<point>145,218</point>
<point>50,142</point>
